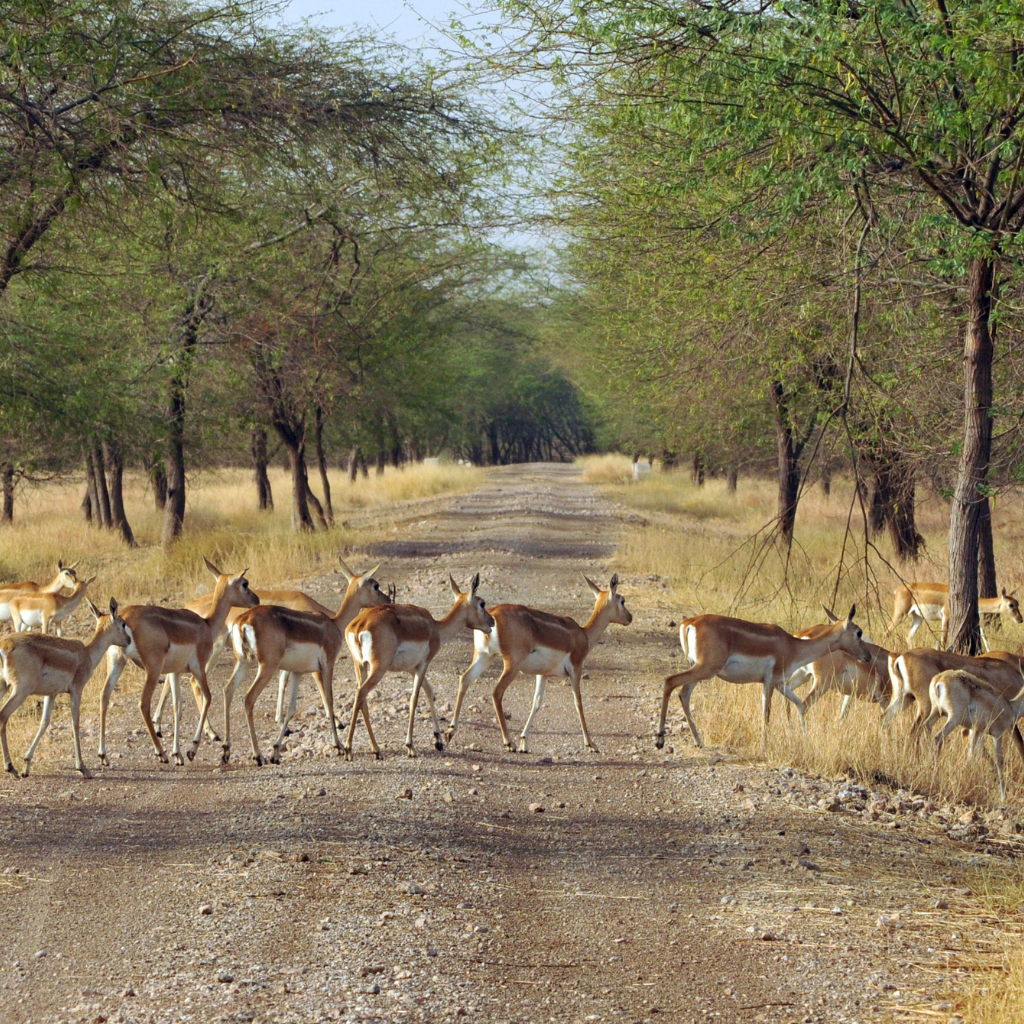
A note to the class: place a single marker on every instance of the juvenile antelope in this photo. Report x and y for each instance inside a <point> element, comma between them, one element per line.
<point>174,640</point>
<point>43,610</point>
<point>44,666</point>
<point>930,602</point>
<point>293,642</point>
<point>369,594</point>
<point>971,703</point>
<point>66,577</point>
<point>838,671</point>
<point>406,638</point>
<point>911,674</point>
<point>752,652</point>
<point>543,645</point>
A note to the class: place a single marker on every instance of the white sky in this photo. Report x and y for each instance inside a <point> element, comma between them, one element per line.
<point>409,23</point>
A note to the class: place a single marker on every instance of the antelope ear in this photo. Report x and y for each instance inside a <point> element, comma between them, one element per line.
<point>209,565</point>
<point>453,585</point>
<point>95,611</point>
<point>240,576</point>
<point>60,565</point>
<point>72,568</point>
<point>614,583</point>
<point>594,588</point>
<point>853,611</point>
<point>369,574</point>
<point>89,581</point>
<point>831,615</point>
<point>345,570</point>
<point>113,605</point>
<point>474,584</point>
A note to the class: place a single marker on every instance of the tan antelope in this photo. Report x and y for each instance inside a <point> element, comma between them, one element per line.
<point>969,702</point>
<point>66,577</point>
<point>543,645</point>
<point>912,672</point>
<point>752,652</point>
<point>930,602</point>
<point>43,609</point>
<point>292,642</point>
<point>297,601</point>
<point>45,666</point>
<point>406,638</point>
<point>838,671</point>
<point>166,640</point>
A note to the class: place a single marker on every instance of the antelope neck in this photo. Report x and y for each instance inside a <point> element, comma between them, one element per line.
<point>221,607</point>
<point>347,610</point>
<point>452,622</point>
<point>597,623</point>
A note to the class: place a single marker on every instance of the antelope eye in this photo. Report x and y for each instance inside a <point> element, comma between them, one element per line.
<point>859,634</point>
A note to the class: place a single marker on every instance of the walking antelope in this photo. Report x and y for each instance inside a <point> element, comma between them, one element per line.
<point>838,671</point>
<point>293,642</point>
<point>971,703</point>
<point>297,601</point>
<point>173,640</point>
<point>930,602</point>
<point>544,645</point>
<point>43,609</point>
<point>66,577</point>
<point>912,672</point>
<point>37,665</point>
<point>752,652</point>
<point>406,638</point>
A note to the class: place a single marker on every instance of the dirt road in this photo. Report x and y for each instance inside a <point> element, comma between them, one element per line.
<point>652,886</point>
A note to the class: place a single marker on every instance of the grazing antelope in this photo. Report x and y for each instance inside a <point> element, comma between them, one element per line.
<point>297,601</point>
<point>544,645</point>
<point>930,601</point>
<point>43,610</point>
<point>66,577</point>
<point>406,638</point>
<point>838,671</point>
<point>971,703</point>
<point>911,674</point>
<point>293,642</point>
<point>37,665</point>
<point>752,652</point>
<point>166,640</point>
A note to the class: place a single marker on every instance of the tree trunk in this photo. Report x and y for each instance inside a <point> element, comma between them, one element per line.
<point>382,460</point>
<point>158,478</point>
<point>327,512</point>
<point>986,555</point>
<point>787,450</point>
<point>301,519</point>
<point>697,469</point>
<point>826,483</point>
<point>731,478</point>
<point>115,467</point>
<point>258,447</point>
<point>7,475</point>
<point>965,515</point>
<point>353,464</point>
<point>102,494</point>
<point>90,505</point>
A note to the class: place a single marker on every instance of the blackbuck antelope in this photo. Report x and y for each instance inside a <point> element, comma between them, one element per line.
<point>838,671</point>
<point>166,640</point>
<point>912,672</point>
<point>752,652</point>
<point>969,702</point>
<point>46,609</point>
<point>66,577</point>
<point>930,602</point>
<point>369,594</point>
<point>406,638</point>
<point>45,666</point>
<point>543,645</point>
<point>292,642</point>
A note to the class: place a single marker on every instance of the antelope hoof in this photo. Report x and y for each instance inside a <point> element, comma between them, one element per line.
<point>448,736</point>
<point>159,735</point>
<point>510,747</point>
<point>28,765</point>
<point>14,771</point>
<point>275,758</point>
<point>339,724</point>
<point>104,760</point>
<point>225,755</point>
<point>438,745</point>
<point>287,732</point>
<point>409,750</point>
<point>378,755</point>
<point>86,774</point>
<point>659,740</point>
<point>212,736</point>
<point>178,759</point>
<point>593,749</point>
<point>522,746</point>
<point>161,756</point>
<point>348,753</point>
<point>260,760</point>
<point>191,753</point>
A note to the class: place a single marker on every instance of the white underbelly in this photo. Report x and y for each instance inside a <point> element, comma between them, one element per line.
<point>31,617</point>
<point>546,661</point>
<point>179,658</point>
<point>931,612</point>
<point>742,668</point>
<point>5,612</point>
<point>409,656</point>
<point>301,658</point>
<point>688,642</point>
<point>486,642</point>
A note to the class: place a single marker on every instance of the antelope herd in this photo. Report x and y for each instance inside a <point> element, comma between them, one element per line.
<point>290,634</point>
